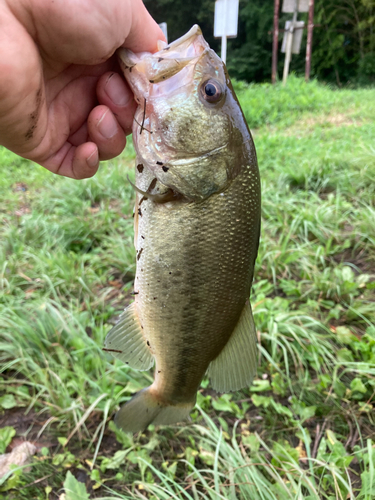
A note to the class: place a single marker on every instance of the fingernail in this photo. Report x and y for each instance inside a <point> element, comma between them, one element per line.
<point>107,125</point>
<point>93,159</point>
<point>117,90</point>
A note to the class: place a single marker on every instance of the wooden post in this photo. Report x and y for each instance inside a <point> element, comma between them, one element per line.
<point>310,28</point>
<point>275,39</point>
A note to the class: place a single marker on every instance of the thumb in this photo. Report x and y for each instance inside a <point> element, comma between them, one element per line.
<point>144,32</point>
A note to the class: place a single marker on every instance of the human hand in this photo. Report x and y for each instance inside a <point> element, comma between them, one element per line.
<point>63,103</point>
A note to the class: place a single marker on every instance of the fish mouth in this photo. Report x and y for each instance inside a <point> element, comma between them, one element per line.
<point>169,60</point>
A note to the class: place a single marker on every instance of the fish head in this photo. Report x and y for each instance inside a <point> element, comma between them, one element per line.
<point>188,128</point>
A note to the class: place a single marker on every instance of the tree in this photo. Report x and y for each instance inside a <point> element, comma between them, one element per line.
<point>344,51</point>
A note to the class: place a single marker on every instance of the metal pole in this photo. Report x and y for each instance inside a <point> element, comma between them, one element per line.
<point>289,42</point>
<point>163,27</point>
<point>224,49</point>
<point>310,28</point>
<point>224,36</point>
<point>275,39</point>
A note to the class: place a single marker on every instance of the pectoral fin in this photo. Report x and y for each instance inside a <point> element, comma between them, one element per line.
<point>236,365</point>
<point>126,341</point>
<point>168,195</point>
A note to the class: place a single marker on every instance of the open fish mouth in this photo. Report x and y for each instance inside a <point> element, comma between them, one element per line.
<point>162,65</point>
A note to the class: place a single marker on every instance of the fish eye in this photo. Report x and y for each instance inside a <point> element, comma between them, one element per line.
<point>211,91</point>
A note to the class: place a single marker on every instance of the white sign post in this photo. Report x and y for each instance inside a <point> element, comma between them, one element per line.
<point>226,21</point>
<point>163,27</point>
<point>293,31</point>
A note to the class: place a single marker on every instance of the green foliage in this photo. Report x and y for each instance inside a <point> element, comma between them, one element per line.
<point>181,16</point>
<point>267,104</point>
<point>250,54</point>
<point>303,430</point>
<point>7,402</point>
<point>344,49</point>
<point>7,433</point>
<point>74,490</point>
<point>366,69</point>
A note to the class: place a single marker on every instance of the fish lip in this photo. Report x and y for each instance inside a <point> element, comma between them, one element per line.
<point>127,58</point>
<point>131,59</point>
<point>147,61</point>
<point>192,33</point>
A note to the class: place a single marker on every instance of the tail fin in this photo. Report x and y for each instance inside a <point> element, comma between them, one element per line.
<point>144,409</point>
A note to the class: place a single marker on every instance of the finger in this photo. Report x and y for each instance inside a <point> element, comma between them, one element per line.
<point>105,132</point>
<point>144,31</point>
<point>114,92</point>
<point>76,162</point>
<point>68,31</point>
<point>85,161</point>
<point>80,136</point>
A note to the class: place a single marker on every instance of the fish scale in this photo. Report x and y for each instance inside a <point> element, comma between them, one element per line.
<point>215,277</point>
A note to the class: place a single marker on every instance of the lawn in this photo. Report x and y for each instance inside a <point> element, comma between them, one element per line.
<point>305,429</point>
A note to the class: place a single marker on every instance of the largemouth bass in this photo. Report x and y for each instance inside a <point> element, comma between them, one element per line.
<point>197,223</point>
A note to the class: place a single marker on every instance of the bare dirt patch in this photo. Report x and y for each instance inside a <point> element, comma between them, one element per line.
<point>28,427</point>
<point>361,261</point>
<point>308,124</point>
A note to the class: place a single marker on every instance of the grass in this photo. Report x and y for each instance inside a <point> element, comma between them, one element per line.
<point>305,429</point>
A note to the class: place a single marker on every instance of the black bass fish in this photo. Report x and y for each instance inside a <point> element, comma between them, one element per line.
<point>197,224</point>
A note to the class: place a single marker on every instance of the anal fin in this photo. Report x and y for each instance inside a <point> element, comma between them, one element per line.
<point>236,365</point>
<point>126,341</point>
